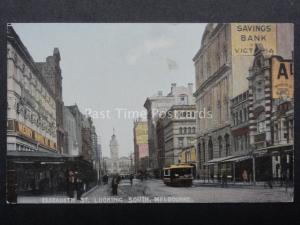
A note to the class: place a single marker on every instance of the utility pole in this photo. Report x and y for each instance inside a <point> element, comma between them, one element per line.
<point>253,165</point>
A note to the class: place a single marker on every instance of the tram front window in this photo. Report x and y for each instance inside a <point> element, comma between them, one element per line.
<point>181,172</point>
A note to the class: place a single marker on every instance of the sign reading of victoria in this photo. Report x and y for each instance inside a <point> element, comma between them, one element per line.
<point>282,78</point>
<point>245,36</point>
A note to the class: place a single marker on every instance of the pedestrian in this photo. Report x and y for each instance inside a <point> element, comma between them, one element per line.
<point>131,179</point>
<point>224,180</point>
<point>268,177</point>
<point>118,178</point>
<point>114,185</point>
<point>71,184</point>
<point>79,188</point>
<point>245,176</point>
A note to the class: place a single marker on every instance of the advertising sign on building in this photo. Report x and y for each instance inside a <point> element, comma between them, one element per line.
<point>282,78</point>
<point>141,131</point>
<point>244,37</point>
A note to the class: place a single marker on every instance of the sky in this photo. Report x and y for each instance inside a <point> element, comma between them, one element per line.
<point>109,69</point>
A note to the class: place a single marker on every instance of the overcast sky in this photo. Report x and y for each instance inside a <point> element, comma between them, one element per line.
<point>111,66</point>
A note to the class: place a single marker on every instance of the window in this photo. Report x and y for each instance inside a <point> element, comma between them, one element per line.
<point>180,130</point>
<point>193,130</point>
<point>190,141</point>
<point>184,130</point>
<point>180,142</point>
<point>183,100</point>
<point>261,125</point>
<point>241,117</point>
<point>189,130</point>
<point>245,115</point>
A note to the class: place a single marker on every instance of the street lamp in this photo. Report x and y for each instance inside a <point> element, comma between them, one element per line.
<point>252,153</point>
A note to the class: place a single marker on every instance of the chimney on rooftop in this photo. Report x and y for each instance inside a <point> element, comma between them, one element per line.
<point>173,86</point>
<point>190,86</point>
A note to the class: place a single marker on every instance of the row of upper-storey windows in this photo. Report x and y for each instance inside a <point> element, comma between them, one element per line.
<point>25,78</point>
<point>240,116</point>
<point>187,130</point>
<point>214,55</point>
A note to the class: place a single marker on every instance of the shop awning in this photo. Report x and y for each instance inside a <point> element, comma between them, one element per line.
<point>36,156</point>
<point>275,147</point>
<point>217,160</point>
<point>238,159</point>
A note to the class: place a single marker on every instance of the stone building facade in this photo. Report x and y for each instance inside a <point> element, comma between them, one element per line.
<point>76,150</point>
<point>179,131</point>
<point>141,150</point>
<point>158,105</point>
<point>124,165</point>
<point>222,90</point>
<point>51,72</point>
<point>32,159</point>
<point>87,141</point>
<point>71,143</point>
<point>271,119</point>
<point>114,153</point>
<point>213,86</point>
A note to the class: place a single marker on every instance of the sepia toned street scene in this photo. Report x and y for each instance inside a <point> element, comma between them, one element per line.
<point>150,113</point>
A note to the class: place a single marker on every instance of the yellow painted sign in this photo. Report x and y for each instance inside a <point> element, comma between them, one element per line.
<point>28,132</point>
<point>244,36</point>
<point>282,78</point>
<point>141,132</point>
<point>188,155</point>
<point>24,130</point>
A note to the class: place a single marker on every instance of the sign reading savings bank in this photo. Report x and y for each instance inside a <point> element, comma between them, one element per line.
<point>244,37</point>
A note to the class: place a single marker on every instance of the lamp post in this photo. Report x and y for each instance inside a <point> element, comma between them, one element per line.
<point>253,164</point>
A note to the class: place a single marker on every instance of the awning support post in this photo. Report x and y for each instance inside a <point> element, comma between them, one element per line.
<point>253,169</point>
<point>233,164</point>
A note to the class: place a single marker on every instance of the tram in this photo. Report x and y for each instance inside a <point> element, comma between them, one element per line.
<point>178,175</point>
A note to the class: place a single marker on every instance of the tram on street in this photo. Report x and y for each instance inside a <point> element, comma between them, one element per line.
<point>178,175</point>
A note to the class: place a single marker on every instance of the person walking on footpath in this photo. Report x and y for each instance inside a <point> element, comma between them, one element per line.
<point>268,177</point>
<point>131,179</point>
<point>79,188</point>
<point>114,185</point>
<point>224,180</point>
<point>71,184</point>
<point>245,176</point>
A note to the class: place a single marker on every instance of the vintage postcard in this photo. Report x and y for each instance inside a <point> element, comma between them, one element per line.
<point>150,113</point>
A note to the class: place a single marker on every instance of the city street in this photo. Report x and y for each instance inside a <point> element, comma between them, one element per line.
<point>154,191</point>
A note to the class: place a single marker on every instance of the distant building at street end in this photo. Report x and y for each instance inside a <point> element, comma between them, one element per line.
<point>124,165</point>
<point>114,154</point>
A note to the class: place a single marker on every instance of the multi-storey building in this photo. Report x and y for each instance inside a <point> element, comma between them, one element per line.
<point>31,120</point>
<point>179,131</point>
<point>75,148</point>
<point>221,65</point>
<point>87,142</point>
<point>114,153</point>
<point>271,111</point>
<point>158,105</point>
<point>124,165</point>
<point>141,150</point>
<point>71,147</point>
<point>51,72</point>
